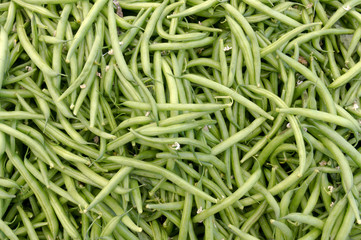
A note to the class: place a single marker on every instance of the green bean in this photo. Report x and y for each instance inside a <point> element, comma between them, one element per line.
<point>131,122</point>
<point>30,50</point>
<point>195,156</point>
<point>347,224</point>
<point>94,52</point>
<point>347,6</point>
<point>241,234</point>
<point>118,55</point>
<point>175,37</point>
<point>68,155</point>
<point>17,115</point>
<point>6,195</point>
<point>312,200</point>
<point>177,106</point>
<point>20,76</point>
<point>176,141</point>
<point>62,216</point>
<point>94,104</point>
<point>285,38</point>
<point>145,138</point>
<point>229,200</point>
<point>321,88</point>
<point>253,219</point>
<point>128,87</point>
<point>172,177</point>
<point>51,185</point>
<point>144,47</point>
<point>8,183</point>
<point>139,5</point>
<point>50,1</point>
<point>131,33</point>
<point>4,6</point>
<point>223,63</point>
<point>94,130</point>
<point>84,27</point>
<point>313,234</point>
<point>27,224</point>
<point>294,124</point>
<point>166,206</point>
<point>38,191</point>
<point>149,97</point>
<point>273,13</point>
<point>286,231</point>
<point>109,77</point>
<point>251,34</point>
<point>3,55</point>
<point>308,36</point>
<point>322,116</point>
<point>225,144</point>
<point>152,130</point>
<point>36,8</point>
<point>181,45</point>
<point>36,147</point>
<point>204,62</point>
<point>301,191</point>
<point>110,227</point>
<point>70,130</point>
<point>347,179</point>
<point>7,231</point>
<point>246,48</point>
<point>306,219</point>
<point>22,230</point>
<point>222,89</point>
<point>119,176</point>
<point>339,140</point>
<point>69,183</point>
<point>195,9</point>
<point>293,178</point>
<point>99,180</point>
<point>136,194</point>
<point>345,78</point>
<point>330,221</point>
<point>186,213</point>
<point>113,204</point>
<point>11,12</point>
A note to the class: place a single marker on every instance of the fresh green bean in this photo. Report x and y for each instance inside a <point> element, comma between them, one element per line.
<point>84,27</point>
<point>171,176</point>
<point>229,200</point>
<point>38,191</point>
<point>322,116</point>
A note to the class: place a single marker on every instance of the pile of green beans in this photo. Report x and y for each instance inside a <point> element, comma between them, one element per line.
<point>198,119</point>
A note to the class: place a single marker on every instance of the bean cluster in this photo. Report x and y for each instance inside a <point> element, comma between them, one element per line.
<point>180,119</point>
